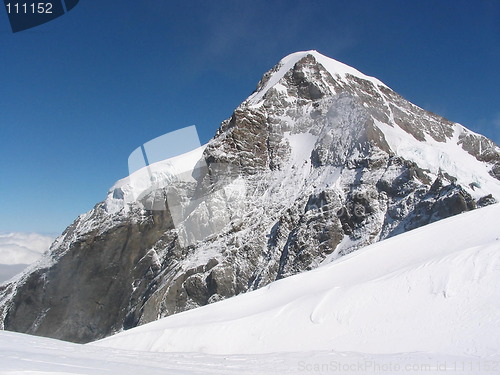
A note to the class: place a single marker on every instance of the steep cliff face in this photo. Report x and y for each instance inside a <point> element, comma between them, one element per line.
<point>319,161</point>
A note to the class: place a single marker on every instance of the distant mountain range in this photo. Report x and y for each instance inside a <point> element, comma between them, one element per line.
<point>18,250</point>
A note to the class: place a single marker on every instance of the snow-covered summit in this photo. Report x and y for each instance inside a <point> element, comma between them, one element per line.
<point>321,161</point>
<point>314,95</point>
<point>336,68</point>
<point>372,112</point>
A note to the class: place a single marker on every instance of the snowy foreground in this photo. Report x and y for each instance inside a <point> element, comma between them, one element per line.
<point>427,301</point>
<point>23,354</point>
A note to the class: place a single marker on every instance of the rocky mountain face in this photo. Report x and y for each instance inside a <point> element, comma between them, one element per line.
<point>319,161</point>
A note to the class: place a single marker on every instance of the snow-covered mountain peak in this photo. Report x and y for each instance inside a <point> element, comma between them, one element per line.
<point>336,69</point>
<point>320,161</point>
<point>346,116</point>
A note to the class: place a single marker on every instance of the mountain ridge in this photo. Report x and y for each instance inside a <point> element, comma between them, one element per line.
<point>306,170</point>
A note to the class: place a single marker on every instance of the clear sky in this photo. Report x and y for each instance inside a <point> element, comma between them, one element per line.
<point>80,93</point>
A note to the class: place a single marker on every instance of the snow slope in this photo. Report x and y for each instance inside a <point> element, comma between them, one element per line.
<point>433,289</point>
<point>157,175</point>
<point>423,302</point>
<point>448,156</point>
<point>30,355</point>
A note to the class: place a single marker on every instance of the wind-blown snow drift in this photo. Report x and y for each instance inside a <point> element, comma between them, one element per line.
<point>433,289</point>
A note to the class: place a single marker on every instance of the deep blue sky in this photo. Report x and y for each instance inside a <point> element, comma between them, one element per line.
<point>78,94</point>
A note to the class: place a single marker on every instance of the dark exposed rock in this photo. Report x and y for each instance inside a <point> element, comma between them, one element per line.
<point>486,201</point>
<point>89,287</point>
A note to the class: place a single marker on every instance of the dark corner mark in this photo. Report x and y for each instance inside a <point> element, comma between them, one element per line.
<point>25,14</point>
